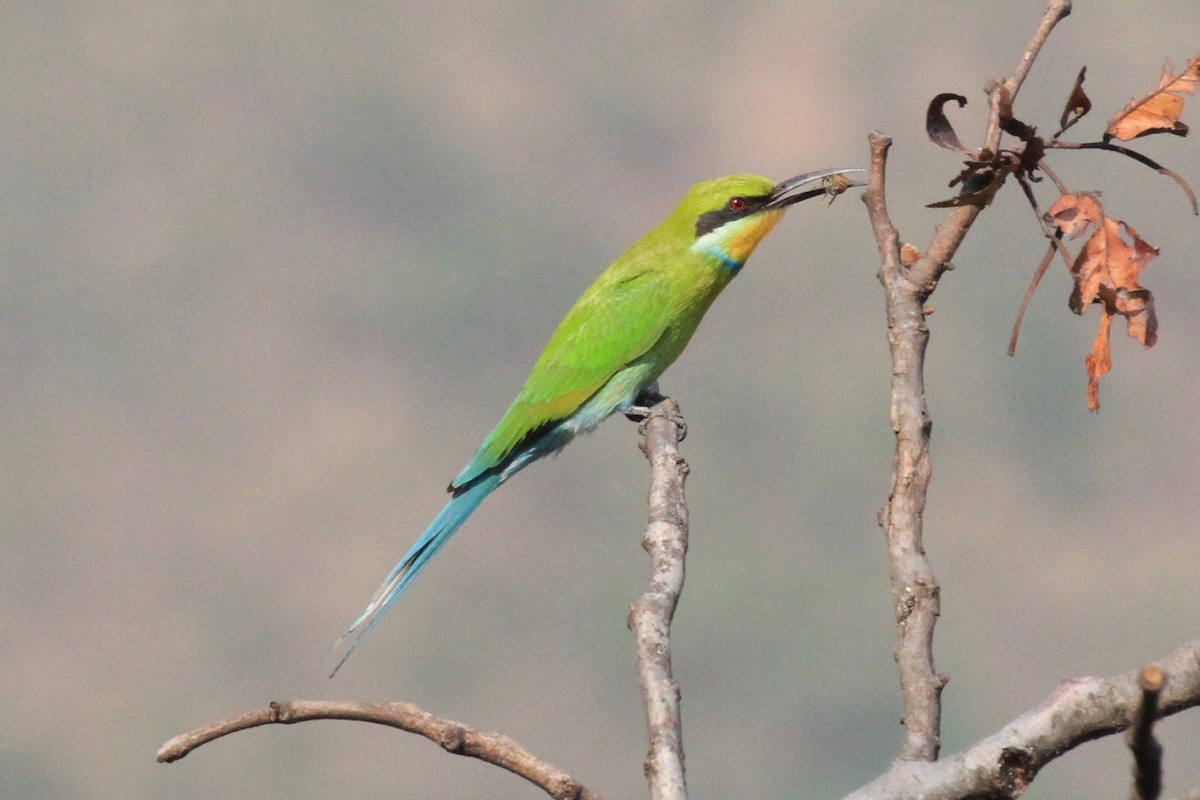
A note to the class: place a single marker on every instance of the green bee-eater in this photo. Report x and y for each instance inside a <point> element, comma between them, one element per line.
<point>628,327</point>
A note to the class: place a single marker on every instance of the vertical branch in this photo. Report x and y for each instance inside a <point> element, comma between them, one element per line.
<point>650,617</point>
<point>915,592</point>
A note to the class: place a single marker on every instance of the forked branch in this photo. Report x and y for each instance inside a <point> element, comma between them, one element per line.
<point>915,592</point>
<point>1078,711</point>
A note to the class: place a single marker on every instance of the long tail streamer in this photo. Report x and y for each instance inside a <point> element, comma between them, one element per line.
<point>436,535</point>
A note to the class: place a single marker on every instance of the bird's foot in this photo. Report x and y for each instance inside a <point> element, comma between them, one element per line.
<point>647,398</point>
<point>644,403</point>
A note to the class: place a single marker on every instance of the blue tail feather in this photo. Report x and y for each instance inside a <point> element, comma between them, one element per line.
<point>461,506</point>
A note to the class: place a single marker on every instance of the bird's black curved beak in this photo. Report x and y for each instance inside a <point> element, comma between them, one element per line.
<point>785,193</point>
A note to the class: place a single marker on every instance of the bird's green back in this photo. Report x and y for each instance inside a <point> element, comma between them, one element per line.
<point>644,308</point>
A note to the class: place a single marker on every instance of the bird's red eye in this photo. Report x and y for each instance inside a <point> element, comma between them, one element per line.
<point>737,203</point>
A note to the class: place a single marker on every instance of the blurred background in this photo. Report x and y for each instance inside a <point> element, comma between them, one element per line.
<point>272,270</point>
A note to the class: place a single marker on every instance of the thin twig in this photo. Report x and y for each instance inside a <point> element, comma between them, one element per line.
<point>1003,764</point>
<point>454,737</point>
<point>1147,752</point>
<point>1057,11</point>
<point>1136,156</point>
<point>1055,238</point>
<point>666,541</point>
<point>1053,176</point>
<point>1038,274</point>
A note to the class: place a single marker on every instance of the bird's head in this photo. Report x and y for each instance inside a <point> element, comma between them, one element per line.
<point>731,215</point>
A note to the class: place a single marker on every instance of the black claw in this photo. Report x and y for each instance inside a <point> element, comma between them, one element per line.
<point>647,398</point>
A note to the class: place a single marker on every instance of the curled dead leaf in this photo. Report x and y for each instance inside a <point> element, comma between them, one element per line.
<point>1077,105</point>
<point>1106,272</point>
<point>981,179</point>
<point>985,172</point>
<point>938,127</point>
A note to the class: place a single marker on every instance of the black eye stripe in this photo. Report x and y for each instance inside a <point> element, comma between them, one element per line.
<point>711,220</point>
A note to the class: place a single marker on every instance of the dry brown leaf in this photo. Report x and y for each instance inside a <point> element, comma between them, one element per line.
<point>1099,361</point>
<point>1159,111</point>
<point>1073,213</point>
<point>1132,301</point>
<point>1091,267</point>
<point>1077,104</point>
<point>1106,271</point>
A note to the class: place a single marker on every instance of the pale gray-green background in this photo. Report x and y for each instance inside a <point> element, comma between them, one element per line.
<point>271,270</point>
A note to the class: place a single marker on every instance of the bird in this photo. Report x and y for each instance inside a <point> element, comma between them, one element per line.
<point>611,347</point>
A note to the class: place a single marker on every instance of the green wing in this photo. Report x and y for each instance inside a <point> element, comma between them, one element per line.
<point>616,321</point>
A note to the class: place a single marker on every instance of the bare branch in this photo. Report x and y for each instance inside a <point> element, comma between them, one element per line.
<point>914,589</point>
<point>915,593</point>
<point>649,618</point>
<point>1055,13</point>
<point>1080,710</point>
<point>453,737</point>
<point>1147,752</point>
<point>666,541</point>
